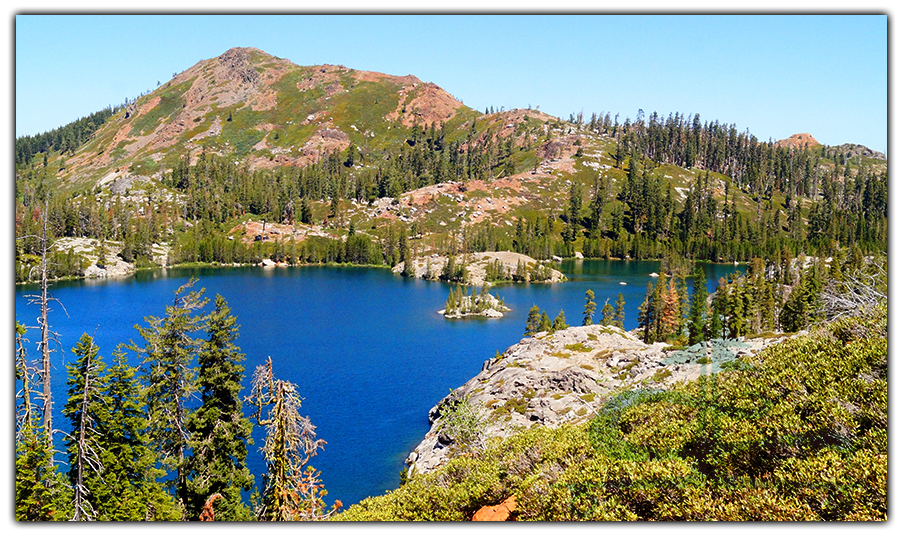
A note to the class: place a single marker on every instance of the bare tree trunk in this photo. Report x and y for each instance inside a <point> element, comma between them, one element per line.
<point>45,340</point>
<point>82,445</point>
<point>86,455</point>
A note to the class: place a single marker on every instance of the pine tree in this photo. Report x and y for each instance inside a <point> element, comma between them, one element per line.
<point>608,314</point>
<point>521,273</point>
<point>619,319</point>
<point>533,324</point>
<point>129,491</point>
<point>716,320</point>
<point>84,408</point>
<point>38,492</point>
<point>219,432</point>
<point>589,308</point>
<point>646,315</point>
<point>450,306</point>
<point>697,316</point>
<point>559,323</point>
<point>546,323</point>
<point>169,351</point>
<point>802,307</point>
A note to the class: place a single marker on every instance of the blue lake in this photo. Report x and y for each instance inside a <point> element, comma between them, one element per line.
<point>367,349</point>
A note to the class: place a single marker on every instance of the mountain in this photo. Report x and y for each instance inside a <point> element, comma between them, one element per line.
<point>265,109</point>
<point>286,161</point>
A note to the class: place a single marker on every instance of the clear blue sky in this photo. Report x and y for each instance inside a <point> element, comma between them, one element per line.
<point>775,75</point>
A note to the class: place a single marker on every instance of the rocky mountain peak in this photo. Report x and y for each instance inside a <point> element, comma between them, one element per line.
<point>235,65</point>
<point>798,141</point>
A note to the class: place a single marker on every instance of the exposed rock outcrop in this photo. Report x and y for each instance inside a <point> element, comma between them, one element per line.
<point>475,305</point>
<point>102,259</point>
<point>798,141</point>
<point>477,264</point>
<point>499,512</point>
<point>565,377</point>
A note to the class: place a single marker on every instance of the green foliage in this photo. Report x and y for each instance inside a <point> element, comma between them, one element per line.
<point>495,271</point>
<point>64,139</point>
<point>619,315</point>
<point>608,314</point>
<point>84,409</point>
<point>799,435</point>
<point>589,308</point>
<point>461,303</point>
<point>130,490</point>
<point>802,306</point>
<point>464,422</point>
<point>533,324</point>
<point>559,323</point>
<point>697,316</point>
<point>454,272</point>
<point>169,350</point>
<point>219,432</point>
<point>40,493</point>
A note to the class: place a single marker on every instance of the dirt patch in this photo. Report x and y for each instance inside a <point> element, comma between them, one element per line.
<point>424,195</point>
<point>325,141</point>
<point>375,77</point>
<point>251,231</point>
<point>326,75</point>
<point>423,104</point>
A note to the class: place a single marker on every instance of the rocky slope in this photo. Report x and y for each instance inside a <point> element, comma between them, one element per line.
<point>430,267</point>
<point>251,104</point>
<point>564,377</point>
<point>103,259</point>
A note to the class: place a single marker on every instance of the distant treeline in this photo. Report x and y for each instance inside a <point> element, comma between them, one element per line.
<point>775,199</point>
<point>65,139</point>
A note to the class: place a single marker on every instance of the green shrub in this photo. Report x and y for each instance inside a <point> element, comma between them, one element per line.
<point>801,434</point>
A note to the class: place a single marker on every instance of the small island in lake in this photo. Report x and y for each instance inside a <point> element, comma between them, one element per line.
<point>461,304</point>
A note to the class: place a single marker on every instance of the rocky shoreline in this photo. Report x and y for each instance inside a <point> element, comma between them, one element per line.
<point>565,377</point>
<point>476,265</point>
<point>482,304</point>
<point>104,256</point>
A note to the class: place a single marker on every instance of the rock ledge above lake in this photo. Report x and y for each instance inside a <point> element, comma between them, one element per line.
<point>565,377</point>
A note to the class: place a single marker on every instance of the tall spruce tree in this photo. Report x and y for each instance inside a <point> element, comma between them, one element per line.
<point>559,323</point>
<point>608,314</point>
<point>619,318</point>
<point>219,432</point>
<point>169,351</point>
<point>646,315</point>
<point>590,306</point>
<point>130,491</point>
<point>84,409</point>
<point>533,324</point>
<point>697,315</point>
<point>546,323</point>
